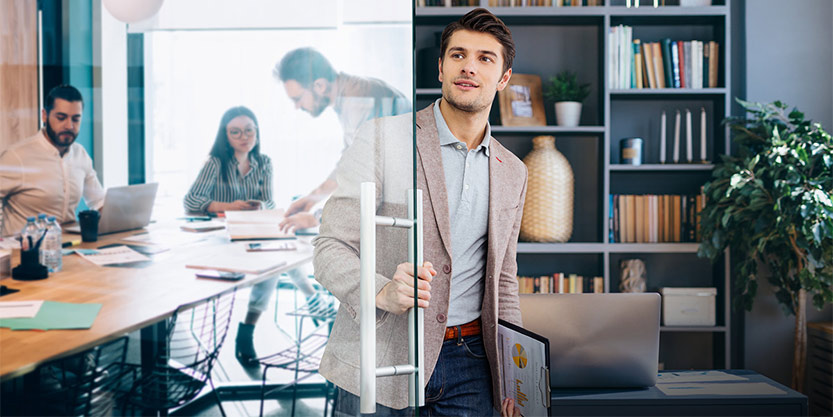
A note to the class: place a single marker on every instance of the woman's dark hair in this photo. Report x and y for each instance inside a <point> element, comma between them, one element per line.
<point>222,150</point>
<point>483,21</point>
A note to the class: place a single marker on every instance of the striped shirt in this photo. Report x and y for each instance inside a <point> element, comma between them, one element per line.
<point>210,186</point>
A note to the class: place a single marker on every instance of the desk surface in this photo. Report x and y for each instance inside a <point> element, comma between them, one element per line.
<point>651,401</point>
<point>131,297</point>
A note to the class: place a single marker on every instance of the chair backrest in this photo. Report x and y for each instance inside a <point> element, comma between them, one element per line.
<point>194,337</point>
<point>88,383</point>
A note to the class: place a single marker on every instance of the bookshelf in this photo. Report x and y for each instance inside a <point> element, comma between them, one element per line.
<point>550,39</point>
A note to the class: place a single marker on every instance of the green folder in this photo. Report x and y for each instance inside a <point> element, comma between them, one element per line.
<point>55,315</point>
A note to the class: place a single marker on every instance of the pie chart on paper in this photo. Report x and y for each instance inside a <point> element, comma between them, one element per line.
<point>519,356</point>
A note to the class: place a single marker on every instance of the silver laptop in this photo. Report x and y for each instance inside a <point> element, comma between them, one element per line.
<point>597,340</point>
<point>125,208</point>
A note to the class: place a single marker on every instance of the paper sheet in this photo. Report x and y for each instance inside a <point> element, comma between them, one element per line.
<point>523,361</point>
<point>55,315</point>
<point>19,309</point>
<point>164,238</point>
<point>696,376</point>
<point>114,255</point>
<point>729,388</point>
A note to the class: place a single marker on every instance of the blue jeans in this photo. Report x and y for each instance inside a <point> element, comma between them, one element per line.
<point>461,385</point>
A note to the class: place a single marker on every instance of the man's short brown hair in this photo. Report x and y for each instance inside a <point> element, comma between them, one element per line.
<point>483,21</point>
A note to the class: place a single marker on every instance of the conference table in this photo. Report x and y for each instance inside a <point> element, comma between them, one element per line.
<point>132,297</point>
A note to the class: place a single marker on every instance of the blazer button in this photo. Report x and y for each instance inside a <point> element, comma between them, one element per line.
<point>447,268</point>
<point>441,318</point>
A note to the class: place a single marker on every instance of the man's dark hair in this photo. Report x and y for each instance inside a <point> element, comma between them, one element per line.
<point>483,21</point>
<point>64,92</point>
<point>304,65</point>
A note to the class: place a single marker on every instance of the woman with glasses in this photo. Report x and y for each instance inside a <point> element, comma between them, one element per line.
<point>236,176</point>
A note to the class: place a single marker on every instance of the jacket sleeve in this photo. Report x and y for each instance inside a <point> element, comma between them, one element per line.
<point>336,259</point>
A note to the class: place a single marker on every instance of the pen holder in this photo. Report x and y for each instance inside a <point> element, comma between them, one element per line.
<point>30,268</point>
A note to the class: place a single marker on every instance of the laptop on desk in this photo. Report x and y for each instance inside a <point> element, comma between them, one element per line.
<point>125,208</point>
<point>597,340</point>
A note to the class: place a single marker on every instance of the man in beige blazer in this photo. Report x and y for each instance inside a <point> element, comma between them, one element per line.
<point>474,192</point>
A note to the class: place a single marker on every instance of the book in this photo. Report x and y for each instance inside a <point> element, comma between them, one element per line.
<point>647,54</point>
<point>705,64</point>
<point>640,218</point>
<point>687,52</point>
<point>681,53</point>
<point>255,225</point>
<point>666,62</point>
<point>637,63</point>
<point>675,218</point>
<point>675,63</point>
<point>598,285</point>
<point>659,71</point>
<point>617,236</point>
<point>713,57</point>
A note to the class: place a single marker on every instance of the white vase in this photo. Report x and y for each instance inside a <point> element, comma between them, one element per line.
<point>568,113</point>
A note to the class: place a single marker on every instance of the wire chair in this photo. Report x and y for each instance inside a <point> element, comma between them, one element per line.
<point>193,338</point>
<point>89,383</point>
<point>304,355</point>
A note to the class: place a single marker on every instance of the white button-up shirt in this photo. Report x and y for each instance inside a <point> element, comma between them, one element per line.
<point>34,179</point>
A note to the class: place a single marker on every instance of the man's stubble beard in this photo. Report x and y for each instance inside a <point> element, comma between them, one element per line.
<point>55,138</point>
<point>475,106</point>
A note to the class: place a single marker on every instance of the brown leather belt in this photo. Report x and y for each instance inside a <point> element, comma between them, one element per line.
<point>471,328</point>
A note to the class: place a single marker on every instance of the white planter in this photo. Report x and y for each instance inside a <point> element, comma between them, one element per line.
<point>568,113</point>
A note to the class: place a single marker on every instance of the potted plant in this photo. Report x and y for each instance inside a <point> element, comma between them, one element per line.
<point>567,94</point>
<point>771,205</point>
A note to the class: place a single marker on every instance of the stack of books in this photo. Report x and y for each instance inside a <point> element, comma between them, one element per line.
<point>664,64</point>
<point>560,283</point>
<point>655,218</point>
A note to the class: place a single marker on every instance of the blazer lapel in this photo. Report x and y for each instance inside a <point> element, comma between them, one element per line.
<point>430,157</point>
<point>499,181</point>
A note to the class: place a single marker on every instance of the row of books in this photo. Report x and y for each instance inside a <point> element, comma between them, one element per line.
<point>655,218</point>
<point>509,3</point>
<point>560,283</point>
<point>663,64</point>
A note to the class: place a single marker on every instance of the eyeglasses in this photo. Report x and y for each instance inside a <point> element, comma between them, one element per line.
<point>236,133</point>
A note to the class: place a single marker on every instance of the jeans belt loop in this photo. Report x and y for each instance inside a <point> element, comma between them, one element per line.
<point>459,335</point>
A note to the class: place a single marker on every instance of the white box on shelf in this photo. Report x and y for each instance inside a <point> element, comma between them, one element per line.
<point>688,306</point>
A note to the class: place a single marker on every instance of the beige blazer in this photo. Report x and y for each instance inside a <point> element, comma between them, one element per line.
<point>382,152</point>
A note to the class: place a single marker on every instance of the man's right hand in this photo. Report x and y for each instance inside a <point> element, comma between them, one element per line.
<point>398,295</point>
<point>300,205</point>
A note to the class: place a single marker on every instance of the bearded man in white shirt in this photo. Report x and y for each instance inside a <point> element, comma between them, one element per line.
<point>48,172</point>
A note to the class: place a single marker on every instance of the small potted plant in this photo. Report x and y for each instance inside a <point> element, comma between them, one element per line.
<point>567,93</point>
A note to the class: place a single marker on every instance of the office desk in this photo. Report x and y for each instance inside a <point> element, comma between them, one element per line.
<point>652,402</point>
<point>132,298</point>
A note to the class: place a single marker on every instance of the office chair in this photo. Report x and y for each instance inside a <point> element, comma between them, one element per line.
<point>89,383</point>
<point>304,356</point>
<point>192,340</point>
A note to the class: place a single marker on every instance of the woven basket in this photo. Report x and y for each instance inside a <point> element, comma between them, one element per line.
<point>548,209</point>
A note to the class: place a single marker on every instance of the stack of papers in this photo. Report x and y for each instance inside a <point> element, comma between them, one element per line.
<point>19,309</point>
<point>112,256</point>
<point>53,315</point>
<point>711,383</point>
<point>255,225</point>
